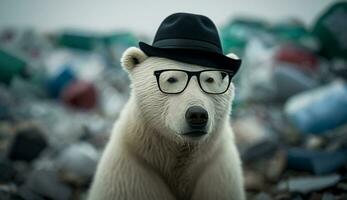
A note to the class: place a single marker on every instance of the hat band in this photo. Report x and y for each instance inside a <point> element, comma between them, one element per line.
<point>187,44</point>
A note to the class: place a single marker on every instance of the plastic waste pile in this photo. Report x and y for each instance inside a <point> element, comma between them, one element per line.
<point>60,94</point>
<point>59,97</point>
<point>290,112</point>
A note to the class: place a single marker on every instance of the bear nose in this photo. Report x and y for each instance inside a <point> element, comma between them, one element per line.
<point>196,117</point>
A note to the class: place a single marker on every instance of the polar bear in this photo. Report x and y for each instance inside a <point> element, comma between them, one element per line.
<point>148,157</point>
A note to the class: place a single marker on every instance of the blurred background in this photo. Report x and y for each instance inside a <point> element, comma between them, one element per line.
<point>62,88</point>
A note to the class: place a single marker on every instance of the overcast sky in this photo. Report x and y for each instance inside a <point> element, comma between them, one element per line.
<point>144,16</point>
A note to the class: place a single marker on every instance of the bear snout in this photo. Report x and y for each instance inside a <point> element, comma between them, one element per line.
<point>196,117</point>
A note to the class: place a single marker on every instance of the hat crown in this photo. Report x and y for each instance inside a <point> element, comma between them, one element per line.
<point>188,26</point>
<point>192,39</point>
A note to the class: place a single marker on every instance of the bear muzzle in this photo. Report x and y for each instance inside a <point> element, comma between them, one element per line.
<point>196,118</point>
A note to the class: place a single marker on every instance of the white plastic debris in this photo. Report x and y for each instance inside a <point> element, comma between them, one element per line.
<point>308,184</point>
<point>79,160</point>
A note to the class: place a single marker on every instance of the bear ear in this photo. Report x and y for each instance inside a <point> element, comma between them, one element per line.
<point>132,57</point>
<point>233,56</point>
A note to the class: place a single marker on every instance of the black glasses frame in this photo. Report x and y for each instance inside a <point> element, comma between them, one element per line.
<point>190,75</point>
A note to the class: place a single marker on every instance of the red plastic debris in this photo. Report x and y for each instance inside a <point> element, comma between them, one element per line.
<point>301,57</point>
<point>80,94</point>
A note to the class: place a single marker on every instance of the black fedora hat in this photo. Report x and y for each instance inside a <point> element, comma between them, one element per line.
<point>192,39</point>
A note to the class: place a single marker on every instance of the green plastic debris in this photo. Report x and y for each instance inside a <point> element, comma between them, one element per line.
<point>331,30</point>
<point>294,31</point>
<point>238,32</point>
<point>10,66</point>
<point>289,30</point>
<point>79,40</point>
<point>89,41</point>
<point>126,39</point>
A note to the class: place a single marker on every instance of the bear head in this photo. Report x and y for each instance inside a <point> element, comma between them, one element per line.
<point>167,102</point>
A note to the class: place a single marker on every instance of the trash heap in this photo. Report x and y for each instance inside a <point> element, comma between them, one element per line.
<point>59,97</point>
<point>290,111</point>
<point>60,94</point>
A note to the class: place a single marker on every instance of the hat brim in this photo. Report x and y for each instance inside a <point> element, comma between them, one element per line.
<point>193,56</point>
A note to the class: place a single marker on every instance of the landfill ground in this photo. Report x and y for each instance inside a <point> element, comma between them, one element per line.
<point>61,92</point>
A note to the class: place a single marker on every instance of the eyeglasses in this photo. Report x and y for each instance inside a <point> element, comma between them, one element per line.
<point>175,81</point>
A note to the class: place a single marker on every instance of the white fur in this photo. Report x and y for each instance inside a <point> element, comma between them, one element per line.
<point>147,157</point>
<point>131,57</point>
<point>232,55</point>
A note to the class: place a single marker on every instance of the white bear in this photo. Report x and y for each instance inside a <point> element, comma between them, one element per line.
<point>147,157</point>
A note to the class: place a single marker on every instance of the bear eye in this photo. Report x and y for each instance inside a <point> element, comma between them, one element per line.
<point>171,80</point>
<point>209,80</point>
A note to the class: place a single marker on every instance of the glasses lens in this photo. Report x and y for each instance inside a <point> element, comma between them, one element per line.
<point>173,81</point>
<point>214,81</point>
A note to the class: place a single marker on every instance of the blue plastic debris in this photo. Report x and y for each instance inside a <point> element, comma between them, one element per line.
<point>319,110</point>
<point>56,84</point>
<point>317,162</point>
